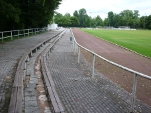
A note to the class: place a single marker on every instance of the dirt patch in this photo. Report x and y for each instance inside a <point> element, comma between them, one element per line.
<point>121,56</point>
<point>43,102</point>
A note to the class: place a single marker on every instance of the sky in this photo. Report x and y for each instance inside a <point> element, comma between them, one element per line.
<point>102,7</point>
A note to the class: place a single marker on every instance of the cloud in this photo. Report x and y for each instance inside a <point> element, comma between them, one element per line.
<point>101,8</point>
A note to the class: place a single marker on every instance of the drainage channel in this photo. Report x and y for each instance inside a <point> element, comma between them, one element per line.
<point>35,99</point>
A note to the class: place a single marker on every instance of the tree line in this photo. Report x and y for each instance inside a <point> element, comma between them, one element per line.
<point>80,18</point>
<point>21,14</point>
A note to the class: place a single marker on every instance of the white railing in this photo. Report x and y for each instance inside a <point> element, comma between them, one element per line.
<point>17,33</point>
<point>136,74</point>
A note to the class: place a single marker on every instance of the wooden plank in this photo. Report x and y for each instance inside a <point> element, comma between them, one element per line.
<point>19,64</point>
<point>45,77</point>
<point>50,77</point>
<point>43,59</point>
<point>15,84</point>
<point>19,100</point>
<point>53,101</point>
<point>20,78</point>
<point>54,90</point>
<point>57,99</point>
<point>23,65</point>
<point>17,80</point>
<point>13,100</point>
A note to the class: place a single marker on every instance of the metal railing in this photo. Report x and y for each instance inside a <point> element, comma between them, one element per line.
<point>77,46</point>
<point>18,33</point>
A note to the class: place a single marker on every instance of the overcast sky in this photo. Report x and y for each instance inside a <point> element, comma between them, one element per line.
<point>102,7</point>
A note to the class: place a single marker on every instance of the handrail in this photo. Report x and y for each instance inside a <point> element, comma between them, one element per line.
<point>115,64</point>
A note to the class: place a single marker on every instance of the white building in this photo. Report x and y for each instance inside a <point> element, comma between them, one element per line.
<point>52,26</point>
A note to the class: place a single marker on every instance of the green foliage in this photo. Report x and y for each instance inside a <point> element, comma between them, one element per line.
<point>111,18</point>
<point>76,14</point>
<point>80,18</point>
<point>136,40</point>
<point>66,20</point>
<point>18,14</point>
<point>74,21</point>
<point>10,15</point>
<point>148,22</point>
<point>106,22</point>
<point>99,21</point>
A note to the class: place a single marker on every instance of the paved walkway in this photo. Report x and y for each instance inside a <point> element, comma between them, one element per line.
<point>10,53</point>
<point>79,92</point>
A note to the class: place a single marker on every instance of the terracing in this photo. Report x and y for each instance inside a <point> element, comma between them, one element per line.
<point>68,85</point>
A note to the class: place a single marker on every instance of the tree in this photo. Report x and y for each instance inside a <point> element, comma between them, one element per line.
<point>76,14</point>
<point>129,18</point>
<point>111,18</point>
<point>143,20</point>
<point>18,14</point>
<point>116,20</point>
<point>58,16</point>
<point>148,22</point>
<point>106,22</point>
<point>67,15</point>
<point>99,21</point>
<point>82,17</point>
<point>10,15</point>
<point>136,14</point>
<point>74,21</point>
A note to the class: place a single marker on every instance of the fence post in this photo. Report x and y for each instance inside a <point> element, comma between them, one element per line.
<point>32,31</point>
<point>18,33</point>
<point>24,32</point>
<point>93,64</point>
<point>78,54</point>
<point>2,37</point>
<point>11,35</point>
<point>35,30</point>
<point>28,32</point>
<point>133,93</point>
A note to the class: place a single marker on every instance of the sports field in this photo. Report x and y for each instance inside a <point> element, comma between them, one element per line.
<point>136,40</point>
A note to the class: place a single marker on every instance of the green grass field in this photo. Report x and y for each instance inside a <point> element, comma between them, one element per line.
<point>136,40</point>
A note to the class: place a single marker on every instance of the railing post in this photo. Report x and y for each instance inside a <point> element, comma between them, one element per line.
<point>74,48</point>
<point>134,93</point>
<point>11,35</point>
<point>78,54</point>
<point>2,37</point>
<point>32,31</point>
<point>35,31</point>
<point>73,42</point>
<point>93,64</point>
